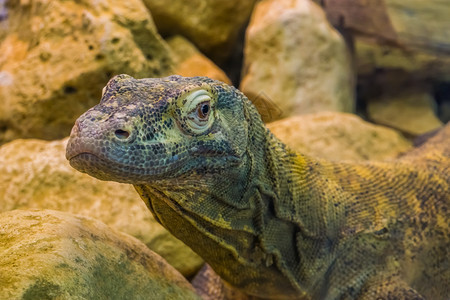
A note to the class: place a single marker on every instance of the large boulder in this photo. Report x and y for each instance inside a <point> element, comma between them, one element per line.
<point>56,56</point>
<point>413,36</point>
<point>373,56</point>
<point>212,25</point>
<point>54,255</point>
<point>411,111</point>
<point>36,174</point>
<point>296,61</point>
<point>190,62</point>
<point>339,136</point>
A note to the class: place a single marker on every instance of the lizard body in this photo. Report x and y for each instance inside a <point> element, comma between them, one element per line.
<point>271,222</point>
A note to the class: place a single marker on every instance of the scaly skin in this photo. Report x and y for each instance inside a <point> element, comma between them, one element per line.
<point>271,222</point>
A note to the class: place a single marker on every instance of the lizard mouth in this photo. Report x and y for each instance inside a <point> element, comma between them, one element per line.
<point>105,169</point>
<point>131,164</point>
<point>80,155</point>
<point>87,157</point>
<point>111,170</point>
<point>92,164</point>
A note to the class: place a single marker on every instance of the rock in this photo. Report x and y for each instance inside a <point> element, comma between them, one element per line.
<point>363,17</point>
<point>58,55</point>
<point>190,62</point>
<point>411,111</point>
<point>212,25</point>
<point>210,286</point>
<point>403,35</point>
<point>35,174</point>
<point>421,24</point>
<point>412,23</point>
<point>419,65</point>
<point>54,255</point>
<point>296,61</point>
<point>339,136</point>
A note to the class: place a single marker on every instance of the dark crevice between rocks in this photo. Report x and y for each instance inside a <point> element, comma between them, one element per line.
<point>360,103</point>
<point>3,126</point>
<point>232,66</point>
<point>441,93</point>
<point>68,89</point>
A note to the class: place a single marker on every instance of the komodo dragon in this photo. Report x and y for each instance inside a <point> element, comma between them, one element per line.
<point>271,222</point>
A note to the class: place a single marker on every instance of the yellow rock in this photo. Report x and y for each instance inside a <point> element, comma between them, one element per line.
<point>295,60</point>
<point>46,254</point>
<point>190,62</point>
<point>339,136</point>
<point>212,25</point>
<point>410,111</point>
<point>35,174</point>
<point>56,56</point>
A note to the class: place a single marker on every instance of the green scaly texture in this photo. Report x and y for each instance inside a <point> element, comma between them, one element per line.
<point>271,222</point>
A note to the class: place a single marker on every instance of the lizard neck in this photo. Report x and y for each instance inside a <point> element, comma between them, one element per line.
<point>280,179</point>
<point>228,218</point>
<point>222,218</point>
<point>274,224</point>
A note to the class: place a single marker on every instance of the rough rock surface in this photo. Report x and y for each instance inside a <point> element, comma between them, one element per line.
<point>190,62</point>
<point>397,34</point>
<point>35,174</point>
<point>55,255</point>
<point>369,18</point>
<point>420,65</point>
<point>421,24</point>
<point>212,25</point>
<point>412,112</point>
<point>56,56</point>
<point>295,60</point>
<point>339,136</point>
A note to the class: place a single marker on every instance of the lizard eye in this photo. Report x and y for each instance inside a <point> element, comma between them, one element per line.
<point>199,111</point>
<point>203,110</point>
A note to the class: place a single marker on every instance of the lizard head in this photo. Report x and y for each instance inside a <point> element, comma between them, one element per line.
<point>194,148</point>
<point>159,128</point>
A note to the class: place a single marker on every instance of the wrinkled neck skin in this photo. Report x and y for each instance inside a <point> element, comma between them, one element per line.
<point>229,219</point>
<point>282,225</point>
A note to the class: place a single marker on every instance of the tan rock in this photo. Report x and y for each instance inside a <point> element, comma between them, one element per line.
<point>369,18</point>
<point>422,24</point>
<point>339,136</point>
<point>417,23</point>
<point>413,36</point>
<point>295,60</point>
<point>190,62</point>
<point>54,255</point>
<point>35,174</point>
<point>56,56</point>
<point>420,65</point>
<point>412,112</point>
<point>212,25</point>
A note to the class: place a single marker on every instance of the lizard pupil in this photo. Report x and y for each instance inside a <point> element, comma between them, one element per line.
<point>203,110</point>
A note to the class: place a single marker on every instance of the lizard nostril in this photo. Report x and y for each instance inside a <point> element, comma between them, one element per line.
<point>121,134</point>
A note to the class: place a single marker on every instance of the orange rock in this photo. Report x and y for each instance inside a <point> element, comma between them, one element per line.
<point>190,62</point>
